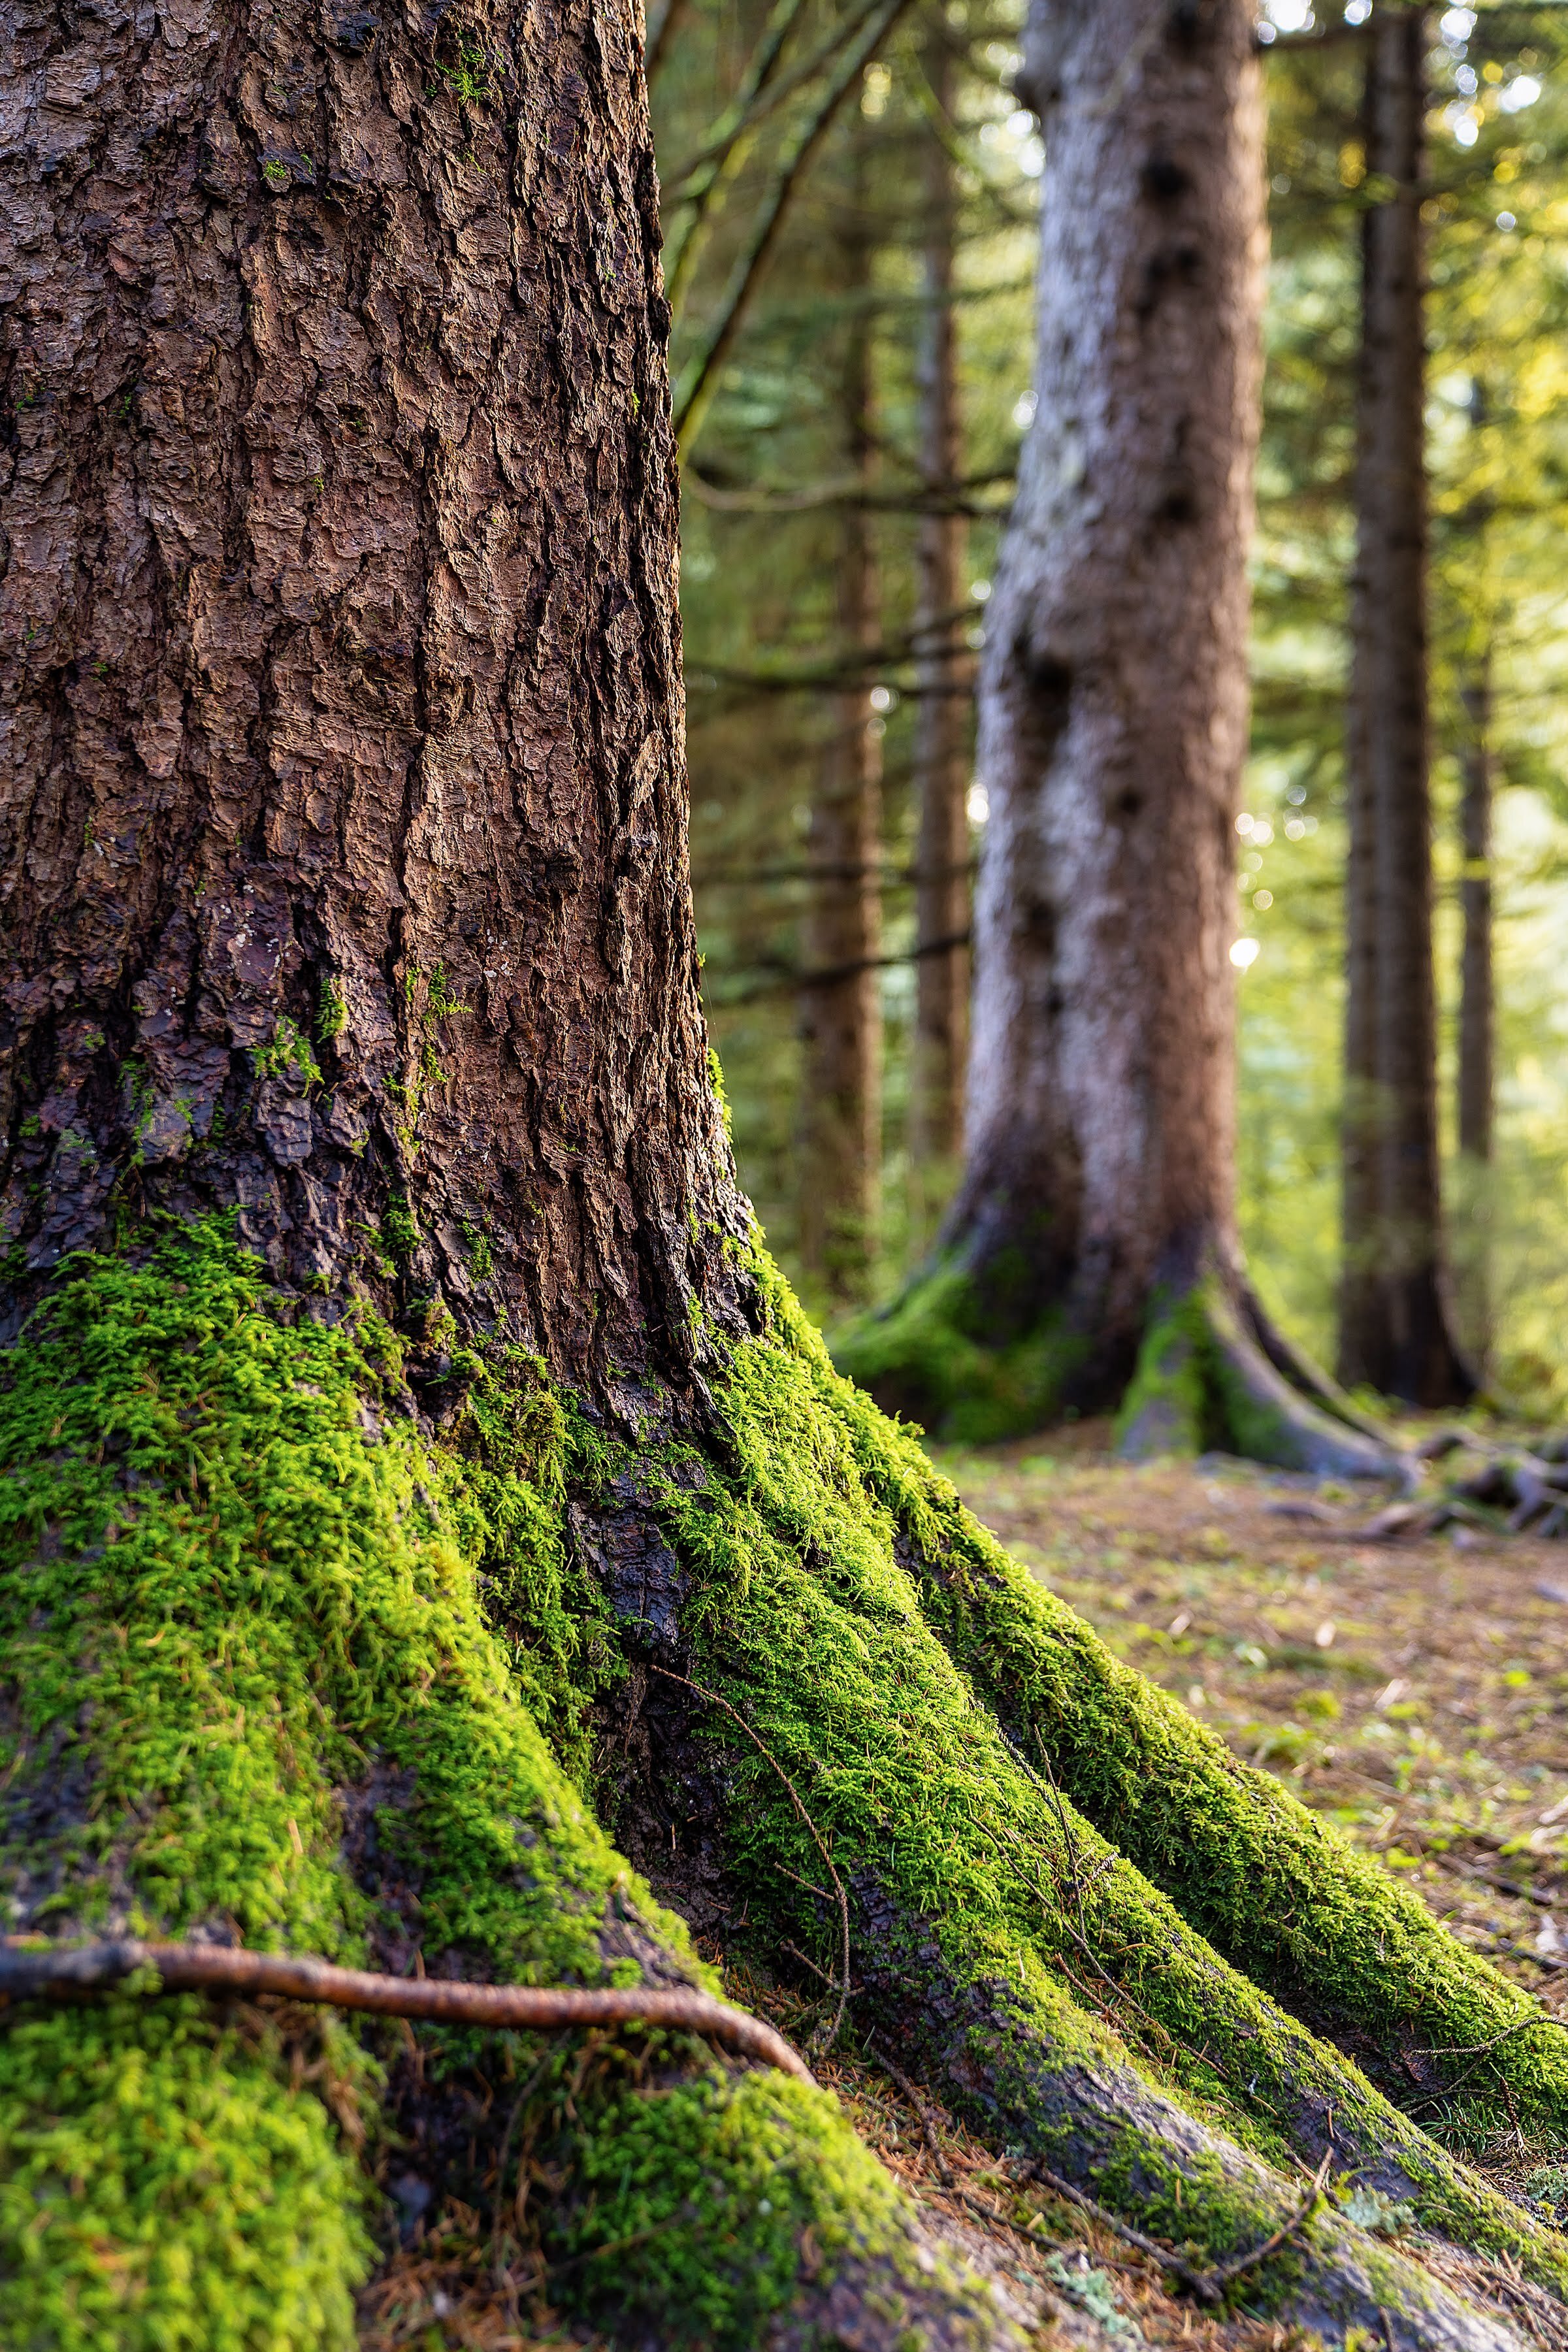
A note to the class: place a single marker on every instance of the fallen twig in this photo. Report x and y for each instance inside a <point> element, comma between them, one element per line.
<point>713,1698</point>
<point>29,1971</point>
<point>1208,2285</point>
<point>927,2129</point>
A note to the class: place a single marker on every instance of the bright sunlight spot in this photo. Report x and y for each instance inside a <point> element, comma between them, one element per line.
<point>1244,952</point>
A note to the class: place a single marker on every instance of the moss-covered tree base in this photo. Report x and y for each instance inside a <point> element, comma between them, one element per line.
<point>290,1660</point>
<point>1210,1373</point>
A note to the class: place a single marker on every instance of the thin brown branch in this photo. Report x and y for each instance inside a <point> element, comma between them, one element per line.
<point>927,2129</point>
<point>932,498</point>
<point>30,1971</point>
<point>714,1699</point>
<point>831,975</point>
<point>1208,2285</point>
<point>697,391</point>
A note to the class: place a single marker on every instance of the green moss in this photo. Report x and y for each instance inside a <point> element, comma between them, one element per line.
<point>288,1052</point>
<point>1270,1886</point>
<point>331,1013</point>
<point>862,1679</point>
<point>161,2187</point>
<point>240,1600</point>
<point>1169,1406</point>
<point>928,1356</point>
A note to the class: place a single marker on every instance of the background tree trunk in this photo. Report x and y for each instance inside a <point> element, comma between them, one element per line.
<point>841,1012</point>
<point>1473,1089</point>
<point>1094,1232</point>
<point>1113,698</point>
<point>1393,1331</point>
<point>943,670</point>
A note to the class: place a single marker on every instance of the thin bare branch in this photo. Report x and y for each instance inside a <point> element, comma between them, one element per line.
<point>32,1972</point>
<point>714,1699</point>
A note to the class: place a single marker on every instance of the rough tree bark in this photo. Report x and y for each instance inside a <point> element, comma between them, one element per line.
<point>1094,1231</point>
<point>1393,1325</point>
<point>941,680</point>
<point>841,1008</point>
<point>410,1459</point>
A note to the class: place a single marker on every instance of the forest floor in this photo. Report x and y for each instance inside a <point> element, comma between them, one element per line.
<point>1414,1691</point>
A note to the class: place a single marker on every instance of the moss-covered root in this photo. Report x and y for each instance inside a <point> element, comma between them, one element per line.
<point>1203,1380</point>
<point>972,1881</point>
<point>1270,1886</point>
<point>248,1690</point>
<point>996,2047</point>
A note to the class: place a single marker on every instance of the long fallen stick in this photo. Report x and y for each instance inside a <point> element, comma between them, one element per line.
<point>29,1971</point>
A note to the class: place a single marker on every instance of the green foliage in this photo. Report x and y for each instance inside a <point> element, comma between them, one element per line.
<point>331,1013</point>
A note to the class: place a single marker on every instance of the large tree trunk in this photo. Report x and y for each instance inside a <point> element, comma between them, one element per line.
<point>841,1005</point>
<point>351,984</point>
<point>344,717</point>
<point>1098,1197</point>
<point>1394,1329</point>
<point>942,680</point>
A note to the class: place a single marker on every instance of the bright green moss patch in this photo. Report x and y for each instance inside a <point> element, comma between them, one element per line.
<point>1271,1886</point>
<point>714,2185</point>
<point>928,1357</point>
<point>161,2190</point>
<point>275,1666</point>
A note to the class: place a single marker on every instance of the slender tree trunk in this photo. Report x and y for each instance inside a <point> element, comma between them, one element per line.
<point>1394,1329</point>
<point>1473,1088</point>
<point>941,720</point>
<point>1099,1189</point>
<point>1473,1082</point>
<point>841,1012</point>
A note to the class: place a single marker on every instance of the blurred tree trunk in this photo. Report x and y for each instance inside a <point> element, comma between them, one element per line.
<point>841,1010</point>
<point>1474,1090</point>
<point>1094,1234</point>
<point>1393,1323</point>
<point>1474,1081</point>
<point>942,722</point>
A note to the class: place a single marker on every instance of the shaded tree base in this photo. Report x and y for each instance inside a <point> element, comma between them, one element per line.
<point>1213,1373</point>
<point>374,1678</point>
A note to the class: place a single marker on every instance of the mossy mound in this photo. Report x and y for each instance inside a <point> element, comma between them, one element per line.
<point>933,1357</point>
<point>243,1651</point>
<point>281,1662</point>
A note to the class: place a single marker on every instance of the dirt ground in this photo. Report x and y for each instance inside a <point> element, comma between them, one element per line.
<point>1415,1692</point>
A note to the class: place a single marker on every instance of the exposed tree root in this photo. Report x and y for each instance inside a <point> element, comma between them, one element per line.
<point>1213,1371</point>
<point>303,1730</point>
<point>1206,1377</point>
